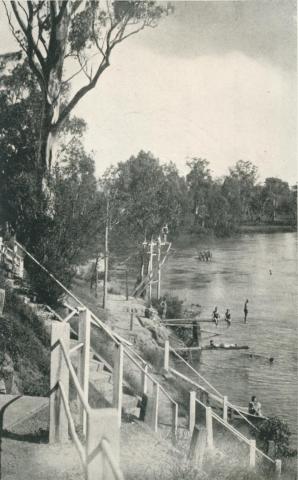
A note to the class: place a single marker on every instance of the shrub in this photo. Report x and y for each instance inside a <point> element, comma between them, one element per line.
<point>174,306</point>
<point>278,431</point>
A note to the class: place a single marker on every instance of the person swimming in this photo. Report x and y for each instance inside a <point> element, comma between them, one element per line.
<point>215,316</point>
<point>245,310</point>
<point>228,317</point>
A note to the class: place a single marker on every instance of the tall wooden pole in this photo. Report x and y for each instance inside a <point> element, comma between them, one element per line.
<point>150,269</point>
<point>126,283</point>
<point>159,268</point>
<point>106,257</point>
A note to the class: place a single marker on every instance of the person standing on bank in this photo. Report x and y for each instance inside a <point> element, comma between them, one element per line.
<point>245,310</point>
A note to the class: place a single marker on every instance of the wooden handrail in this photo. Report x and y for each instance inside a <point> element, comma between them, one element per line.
<point>72,425</point>
<point>75,378</point>
<point>195,371</point>
<point>153,380</point>
<point>195,384</point>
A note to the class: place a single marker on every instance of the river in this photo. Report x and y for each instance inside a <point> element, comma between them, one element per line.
<point>240,270</point>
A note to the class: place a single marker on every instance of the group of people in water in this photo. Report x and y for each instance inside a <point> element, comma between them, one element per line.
<point>205,256</point>
<point>228,316</point>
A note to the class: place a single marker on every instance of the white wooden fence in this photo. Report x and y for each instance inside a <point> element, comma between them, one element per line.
<point>211,415</point>
<point>99,449</point>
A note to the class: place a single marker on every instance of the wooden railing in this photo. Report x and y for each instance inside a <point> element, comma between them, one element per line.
<point>11,259</point>
<point>98,447</point>
<point>121,347</point>
<point>210,414</point>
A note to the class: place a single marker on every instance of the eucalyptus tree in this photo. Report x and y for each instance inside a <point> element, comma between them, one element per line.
<point>64,39</point>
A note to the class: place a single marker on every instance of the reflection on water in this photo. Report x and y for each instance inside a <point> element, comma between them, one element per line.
<point>239,270</point>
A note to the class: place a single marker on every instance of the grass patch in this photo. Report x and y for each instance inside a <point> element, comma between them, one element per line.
<point>28,345</point>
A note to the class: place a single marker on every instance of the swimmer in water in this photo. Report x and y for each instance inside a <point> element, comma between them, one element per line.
<point>245,310</point>
<point>228,317</point>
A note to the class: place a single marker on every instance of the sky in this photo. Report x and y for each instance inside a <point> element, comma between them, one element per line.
<point>215,80</point>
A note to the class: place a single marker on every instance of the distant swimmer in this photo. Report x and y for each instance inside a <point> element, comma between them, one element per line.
<point>228,317</point>
<point>215,316</point>
<point>270,272</point>
<point>245,310</point>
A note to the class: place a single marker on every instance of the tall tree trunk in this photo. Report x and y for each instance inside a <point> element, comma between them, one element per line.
<point>52,94</point>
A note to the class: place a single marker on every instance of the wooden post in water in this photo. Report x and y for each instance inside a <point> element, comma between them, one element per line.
<point>84,361</point>
<point>209,427</point>
<point>252,453</point>
<point>195,334</point>
<point>192,411</point>
<point>58,424</point>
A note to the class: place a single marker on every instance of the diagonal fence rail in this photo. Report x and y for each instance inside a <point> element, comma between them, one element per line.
<point>209,412</point>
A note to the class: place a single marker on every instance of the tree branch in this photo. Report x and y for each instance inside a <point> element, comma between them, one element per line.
<point>32,47</point>
<point>81,92</point>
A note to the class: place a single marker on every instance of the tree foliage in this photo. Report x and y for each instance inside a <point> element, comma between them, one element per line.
<point>78,36</point>
<point>62,239</point>
<point>149,194</point>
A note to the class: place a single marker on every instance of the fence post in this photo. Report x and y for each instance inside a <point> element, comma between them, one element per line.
<point>131,320</point>
<point>192,411</point>
<point>145,379</point>
<point>118,380</point>
<point>197,446</point>
<point>166,356</point>
<point>155,406</point>
<point>84,361</point>
<point>278,467</point>
<point>174,422</point>
<point>209,427</point>
<point>225,408</point>
<point>252,453</point>
<point>101,423</point>
<point>58,428</point>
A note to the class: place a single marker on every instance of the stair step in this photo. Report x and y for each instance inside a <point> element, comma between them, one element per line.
<point>17,408</point>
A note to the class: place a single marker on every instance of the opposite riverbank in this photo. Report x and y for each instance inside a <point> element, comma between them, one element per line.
<point>267,228</point>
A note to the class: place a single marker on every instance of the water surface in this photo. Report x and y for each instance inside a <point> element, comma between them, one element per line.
<point>240,270</point>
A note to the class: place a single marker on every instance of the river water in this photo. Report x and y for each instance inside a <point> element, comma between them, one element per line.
<point>240,270</point>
